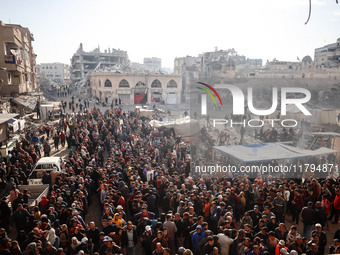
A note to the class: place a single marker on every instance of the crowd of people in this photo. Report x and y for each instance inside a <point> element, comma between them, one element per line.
<point>139,178</point>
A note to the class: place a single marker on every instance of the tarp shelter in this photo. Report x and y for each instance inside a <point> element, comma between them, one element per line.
<point>269,151</point>
<point>4,118</point>
<point>183,127</point>
<point>335,139</point>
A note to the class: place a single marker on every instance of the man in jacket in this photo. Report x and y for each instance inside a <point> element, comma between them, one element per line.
<point>196,238</point>
<point>297,205</point>
<point>129,239</point>
<point>308,216</point>
<point>322,237</point>
<point>180,230</point>
<point>172,230</point>
<point>159,239</point>
<point>20,218</point>
<point>279,207</point>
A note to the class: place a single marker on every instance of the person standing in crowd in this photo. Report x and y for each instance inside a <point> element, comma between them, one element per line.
<point>56,141</point>
<point>307,216</point>
<point>47,148</point>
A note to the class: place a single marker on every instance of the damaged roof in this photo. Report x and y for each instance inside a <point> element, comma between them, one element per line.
<point>28,102</point>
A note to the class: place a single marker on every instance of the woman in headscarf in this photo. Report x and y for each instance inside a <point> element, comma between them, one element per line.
<point>77,234</point>
<point>53,238</point>
<point>15,248</point>
<point>21,237</point>
<point>36,213</point>
<point>56,227</point>
<point>64,238</point>
<point>74,244</point>
<point>43,204</point>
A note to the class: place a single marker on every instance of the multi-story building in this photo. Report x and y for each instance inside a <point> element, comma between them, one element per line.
<point>152,64</point>
<point>55,71</point>
<point>329,55</point>
<point>130,89</point>
<point>190,68</point>
<point>218,65</point>
<point>17,60</point>
<point>84,62</point>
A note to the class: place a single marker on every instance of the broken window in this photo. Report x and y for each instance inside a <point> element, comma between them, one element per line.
<point>140,84</point>
<point>156,84</point>
<point>124,84</point>
<point>108,83</point>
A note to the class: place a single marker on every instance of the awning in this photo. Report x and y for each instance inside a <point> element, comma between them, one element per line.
<point>270,151</point>
<point>7,116</point>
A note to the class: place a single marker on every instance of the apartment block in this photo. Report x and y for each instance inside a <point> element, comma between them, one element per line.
<point>17,60</point>
<point>57,72</point>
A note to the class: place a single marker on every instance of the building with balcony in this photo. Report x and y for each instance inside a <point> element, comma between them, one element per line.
<point>135,89</point>
<point>83,62</point>
<point>57,72</point>
<point>17,60</point>
<point>328,56</point>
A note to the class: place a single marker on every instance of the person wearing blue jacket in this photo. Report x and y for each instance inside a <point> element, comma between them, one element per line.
<point>196,238</point>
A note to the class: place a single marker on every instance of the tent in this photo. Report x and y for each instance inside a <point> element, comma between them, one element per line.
<point>269,151</point>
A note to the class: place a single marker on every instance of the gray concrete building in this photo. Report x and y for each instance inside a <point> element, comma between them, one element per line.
<point>328,55</point>
<point>83,62</point>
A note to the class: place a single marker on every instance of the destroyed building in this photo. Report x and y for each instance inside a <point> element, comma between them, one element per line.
<point>83,62</point>
<point>17,60</point>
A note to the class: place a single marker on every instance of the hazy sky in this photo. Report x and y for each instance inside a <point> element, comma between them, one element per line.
<point>264,29</point>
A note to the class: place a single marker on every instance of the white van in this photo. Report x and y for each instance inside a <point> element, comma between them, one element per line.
<point>47,164</point>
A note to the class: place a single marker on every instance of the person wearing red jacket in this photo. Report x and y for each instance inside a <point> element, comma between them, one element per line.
<point>121,200</point>
<point>62,138</point>
<point>297,205</point>
<point>336,207</point>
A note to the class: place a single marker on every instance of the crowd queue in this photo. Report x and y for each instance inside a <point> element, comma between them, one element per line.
<point>150,203</point>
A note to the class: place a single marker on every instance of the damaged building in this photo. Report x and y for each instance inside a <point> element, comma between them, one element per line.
<point>57,72</point>
<point>17,60</point>
<point>328,55</point>
<point>133,89</point>
<point>83,62</point>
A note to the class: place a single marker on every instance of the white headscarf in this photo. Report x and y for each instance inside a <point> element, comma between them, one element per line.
<point>51,236</point>
<point>74,246</point>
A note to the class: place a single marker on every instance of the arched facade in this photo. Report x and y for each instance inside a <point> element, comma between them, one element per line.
<point>172,84</point>
<point>124,84</point>
<point>156,84</point>
<point>108,83</point>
